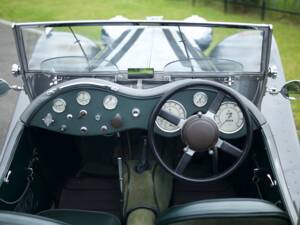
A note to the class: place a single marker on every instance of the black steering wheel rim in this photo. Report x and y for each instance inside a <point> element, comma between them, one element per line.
<point>215,86</point>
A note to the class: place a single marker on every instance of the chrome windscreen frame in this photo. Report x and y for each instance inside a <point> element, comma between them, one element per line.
<point>265,28</point>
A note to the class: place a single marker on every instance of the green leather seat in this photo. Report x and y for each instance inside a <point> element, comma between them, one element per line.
<point>17,218</point>
<point>80,217</point>
<point>224,212</point>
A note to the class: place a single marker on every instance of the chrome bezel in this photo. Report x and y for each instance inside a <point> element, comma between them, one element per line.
<point>203,95</point>
<point>62,100</point>
<point>177,129</point>
<point>235,131</point>
<point>85,92</point>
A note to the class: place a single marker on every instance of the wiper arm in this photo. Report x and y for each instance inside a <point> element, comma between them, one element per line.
<point>185,48</point>
<point>81,48</point>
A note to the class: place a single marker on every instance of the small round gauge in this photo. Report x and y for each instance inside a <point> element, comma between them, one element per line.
<point>83,98</point>
<point>200,99</point>
<point>110,102</point>
<point>229,118</point>
<point>59,105</point>
<point>176,109</point>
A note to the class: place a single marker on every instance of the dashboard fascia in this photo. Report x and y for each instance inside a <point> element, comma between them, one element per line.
<point>126,103</point>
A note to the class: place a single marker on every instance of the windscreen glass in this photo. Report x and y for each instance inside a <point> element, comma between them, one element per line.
<point>110,48</point>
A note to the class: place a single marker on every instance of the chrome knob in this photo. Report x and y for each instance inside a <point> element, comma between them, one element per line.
<point>104,128</point>
<point>135,112</point>
<point>82,113</point>
<point>83,130</point>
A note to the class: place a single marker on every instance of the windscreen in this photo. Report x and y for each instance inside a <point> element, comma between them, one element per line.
<point>110,48</point>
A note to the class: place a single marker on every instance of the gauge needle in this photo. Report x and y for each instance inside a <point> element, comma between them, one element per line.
<point>223,122</point>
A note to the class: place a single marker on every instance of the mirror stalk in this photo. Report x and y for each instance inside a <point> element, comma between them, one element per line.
<point>16,88</point>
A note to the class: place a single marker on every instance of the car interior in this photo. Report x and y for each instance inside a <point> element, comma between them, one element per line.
<point>140,145</point>
<point>87,154</point>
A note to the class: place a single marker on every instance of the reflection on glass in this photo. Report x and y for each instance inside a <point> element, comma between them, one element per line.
<point>291,90</point>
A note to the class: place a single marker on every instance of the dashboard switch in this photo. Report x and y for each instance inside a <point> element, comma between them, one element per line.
<point>69,116</point>
<point>104,129</point>
<point>117,122</point>
<point>82,113</point>
<point>83,130</point>
<point>135,112</point>
<point>63,128</point>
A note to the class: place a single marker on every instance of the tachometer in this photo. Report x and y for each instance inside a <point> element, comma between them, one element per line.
<point>175,108</point>
<point>229,118</point>
<point>59,105</point>
<point>83,98</point>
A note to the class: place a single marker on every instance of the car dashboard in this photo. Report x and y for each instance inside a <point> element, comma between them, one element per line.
<point>86,109</point>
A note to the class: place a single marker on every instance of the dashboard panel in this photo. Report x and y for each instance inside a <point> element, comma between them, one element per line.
<point>98,111</point>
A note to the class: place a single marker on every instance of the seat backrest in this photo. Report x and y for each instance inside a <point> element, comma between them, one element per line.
<point>224,212</point>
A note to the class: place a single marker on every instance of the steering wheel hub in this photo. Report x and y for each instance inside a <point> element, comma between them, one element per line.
<point>200,133</point>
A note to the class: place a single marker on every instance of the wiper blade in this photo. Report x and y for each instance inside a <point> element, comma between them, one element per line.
<point>81,48</point>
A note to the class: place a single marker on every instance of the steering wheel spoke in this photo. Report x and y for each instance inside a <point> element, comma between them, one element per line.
<point>229,148</point>
<point>171,118</point>
<point>216,103</point>
<point>185,160</point>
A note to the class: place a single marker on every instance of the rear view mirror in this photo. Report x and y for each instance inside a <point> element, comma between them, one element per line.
<point>4,87</point>
<point>291,90</point>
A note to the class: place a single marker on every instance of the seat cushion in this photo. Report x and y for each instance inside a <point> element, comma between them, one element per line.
<point>81,217</point>
<point>17,218</point>
<point>225,212</point>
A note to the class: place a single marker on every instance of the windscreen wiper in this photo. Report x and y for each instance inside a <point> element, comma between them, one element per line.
<point>185,48</point>
<point>81,48</point>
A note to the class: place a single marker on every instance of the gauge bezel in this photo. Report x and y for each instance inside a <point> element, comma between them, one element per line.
<point>62,100</point>
<point>109,108</point>
<point>242,125</point>
<point>85,92</point>
<point>177,129</point>
<point>204,95</point>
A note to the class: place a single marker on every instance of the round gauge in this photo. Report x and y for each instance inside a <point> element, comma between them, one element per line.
<point>59,105</point>
<point>200,99</point>
<point>176,109</point>
<point>229,118</point>
<point>110,102</point>
<point>83,98</point>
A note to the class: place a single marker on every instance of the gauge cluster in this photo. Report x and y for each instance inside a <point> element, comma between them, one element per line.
<point>94,112</point>
<point>176,109</point>
<point>229,118</point>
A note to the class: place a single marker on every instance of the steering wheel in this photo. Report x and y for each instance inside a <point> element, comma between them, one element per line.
<point>200,132</point>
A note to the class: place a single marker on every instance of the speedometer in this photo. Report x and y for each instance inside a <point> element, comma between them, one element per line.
<point>176,109</point>
<point>229,118</point>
